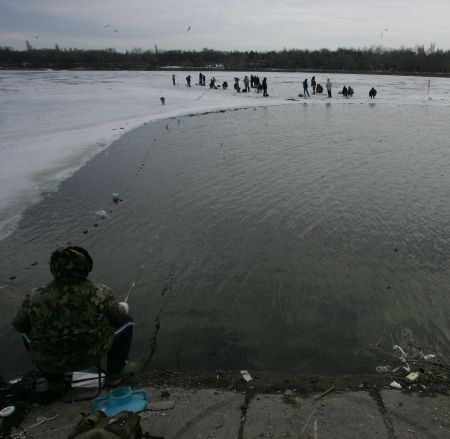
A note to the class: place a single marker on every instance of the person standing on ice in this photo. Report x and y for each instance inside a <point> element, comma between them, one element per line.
<point>246,84</point>
<point>188,80</point>
<point>313,84</point>
<point>264,87</point>
<point>173,79</point>
<point>305,88</point>
<point>329,86</point>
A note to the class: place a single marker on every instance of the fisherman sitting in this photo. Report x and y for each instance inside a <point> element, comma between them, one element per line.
<point>319,88</point>
<point>344,91</point>
<point>224,85</point>
<point>350,91</point>
<point>372,93</point>
<point>70,323</point>
<point>236,85</point>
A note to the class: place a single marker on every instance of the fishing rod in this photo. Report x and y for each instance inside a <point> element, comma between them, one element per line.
<point>133,284</point>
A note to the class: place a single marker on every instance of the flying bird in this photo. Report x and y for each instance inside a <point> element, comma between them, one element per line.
<point>116,30</point>
<point>188,29</point>
<point>107,25</point>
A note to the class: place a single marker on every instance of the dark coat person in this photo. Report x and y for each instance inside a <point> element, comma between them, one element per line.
<point>313,84</point>
<point>305,88</point>
<point>70,323</point>
<point>264,87</point>
<point>236,85</point>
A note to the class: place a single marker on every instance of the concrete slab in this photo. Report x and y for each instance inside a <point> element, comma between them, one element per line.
<point>415,416</point>
<point>54,421</point>
<point>198,414</point>
<point>275,416</point>
<point>216,414</point>
<point>349,415</point>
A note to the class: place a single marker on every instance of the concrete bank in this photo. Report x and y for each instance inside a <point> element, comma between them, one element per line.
<point>201,413</point>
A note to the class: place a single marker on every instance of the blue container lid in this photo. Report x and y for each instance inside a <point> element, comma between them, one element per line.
<point>121,399</point>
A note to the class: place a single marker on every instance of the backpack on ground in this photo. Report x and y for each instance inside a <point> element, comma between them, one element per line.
<point>125,425</point>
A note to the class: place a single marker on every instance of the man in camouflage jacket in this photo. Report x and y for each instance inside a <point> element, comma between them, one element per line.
<point>70,323</point>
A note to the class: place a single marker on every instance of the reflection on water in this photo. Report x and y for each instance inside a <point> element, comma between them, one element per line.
<point>289,238</point>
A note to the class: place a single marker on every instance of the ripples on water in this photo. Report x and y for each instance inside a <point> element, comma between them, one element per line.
<point>290,238</point>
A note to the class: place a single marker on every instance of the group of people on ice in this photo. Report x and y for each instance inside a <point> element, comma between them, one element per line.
<point>252,82</point>
<point>261,86</point>
<point>347,92</point>
<point>317,88</point>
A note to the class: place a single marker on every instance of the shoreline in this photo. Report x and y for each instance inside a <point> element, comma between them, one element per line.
<point>279,382</point>
<point>68,134</point>
<point>251,410</point>
<point>210,70</point>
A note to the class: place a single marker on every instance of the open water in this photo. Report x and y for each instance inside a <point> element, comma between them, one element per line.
<point>294,238</point>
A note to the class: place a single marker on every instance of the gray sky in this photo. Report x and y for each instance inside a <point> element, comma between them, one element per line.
<point>225,24</point>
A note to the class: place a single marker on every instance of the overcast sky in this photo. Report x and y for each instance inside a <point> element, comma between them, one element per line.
<point>225,24</point>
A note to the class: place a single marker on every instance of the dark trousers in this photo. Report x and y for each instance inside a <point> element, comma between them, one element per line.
<point>329,93</point>
<point>118,354</point>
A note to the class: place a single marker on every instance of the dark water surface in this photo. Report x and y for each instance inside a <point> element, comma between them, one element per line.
<point>292,238</point>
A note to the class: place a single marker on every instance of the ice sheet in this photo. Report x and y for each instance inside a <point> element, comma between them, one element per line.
<point>52,122</point>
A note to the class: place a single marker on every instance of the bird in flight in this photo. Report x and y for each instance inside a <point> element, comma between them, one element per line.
<point>188,29</point>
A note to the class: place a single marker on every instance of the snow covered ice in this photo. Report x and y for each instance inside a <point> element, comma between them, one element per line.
<point>52,122</point>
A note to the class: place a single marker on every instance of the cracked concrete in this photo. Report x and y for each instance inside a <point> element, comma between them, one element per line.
<point>415,416</point>
<point>217,414</point>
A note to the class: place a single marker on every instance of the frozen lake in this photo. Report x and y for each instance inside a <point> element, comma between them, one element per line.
<point>295,237</point>
<point>52,122</point>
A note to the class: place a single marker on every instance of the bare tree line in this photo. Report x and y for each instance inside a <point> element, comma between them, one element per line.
<point>416,60</point>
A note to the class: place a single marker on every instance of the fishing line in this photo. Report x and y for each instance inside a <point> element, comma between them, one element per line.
<point>154,338</point>
<point>207,90</point>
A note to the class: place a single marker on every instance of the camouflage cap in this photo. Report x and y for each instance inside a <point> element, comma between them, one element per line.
<point>70,264</point>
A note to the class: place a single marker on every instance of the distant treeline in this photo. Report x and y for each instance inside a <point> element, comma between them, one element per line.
<point>376,60</point>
